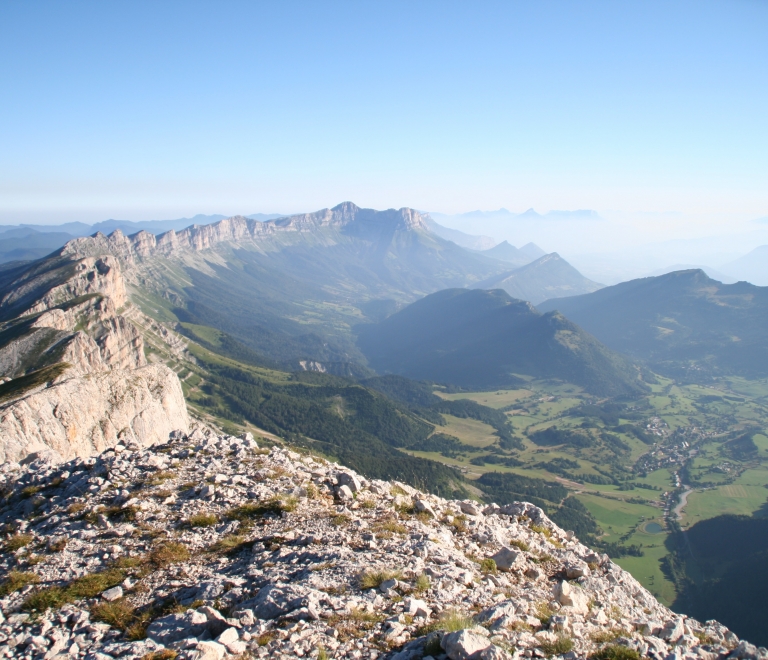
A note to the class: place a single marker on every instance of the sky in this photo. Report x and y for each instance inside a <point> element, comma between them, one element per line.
<point>144,110</point>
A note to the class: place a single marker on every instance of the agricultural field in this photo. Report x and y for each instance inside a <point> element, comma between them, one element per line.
<point>629,462</point>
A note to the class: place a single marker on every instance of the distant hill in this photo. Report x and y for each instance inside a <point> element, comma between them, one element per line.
<point>711,272</point>
<point>679,320</point>
<point>459,237</point>
<point>505,251</point>
<point>547,277</point>
<point>752,267</point>
<point>481,339</point>
<point>26,244</point>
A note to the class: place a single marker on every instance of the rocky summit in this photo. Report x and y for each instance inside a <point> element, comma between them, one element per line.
<point>209,547</point>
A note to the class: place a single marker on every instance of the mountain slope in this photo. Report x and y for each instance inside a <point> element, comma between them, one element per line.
<point>547,277</point>
<point>481,339</point>
<point>286,555</point>
<point>752,267</point>
<point>504,251</point>
<point>676,319</point>
<point>459,237</point>
<point>293,287</point>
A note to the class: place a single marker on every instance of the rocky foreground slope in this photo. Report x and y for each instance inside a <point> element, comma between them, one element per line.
<point>208,547</point>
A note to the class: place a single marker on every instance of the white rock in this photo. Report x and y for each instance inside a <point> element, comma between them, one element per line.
<point>228,636</point>
<point>344,493</point>
<point>463,643</point>
<point>350,480</point>
<point>570,595</point>
<point>508,559</point>
<point>112,594</point>
<point>209,651</point>
<point>470,508</point>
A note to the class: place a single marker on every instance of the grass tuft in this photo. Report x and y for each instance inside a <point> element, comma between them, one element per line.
<point>203,520</point>
<point>487,566</point>
<point>560,646</point>
<point>615,652</point>
<point>165,554</point>
<point>18,541</point>
<point>16,581</point>
<point>373,579</point>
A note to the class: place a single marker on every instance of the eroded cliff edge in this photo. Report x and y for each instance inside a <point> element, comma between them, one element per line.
<point>75,377</point>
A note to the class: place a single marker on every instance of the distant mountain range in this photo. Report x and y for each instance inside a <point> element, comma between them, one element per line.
<point>679,321</point>
<point>291,288</point>
<point>546,277</point>
<point>517,256</point>
<point>530,214</point>
<point>459,237</point>
<point>27,242</point>
<point>486,339</point>
<point>752,267</point>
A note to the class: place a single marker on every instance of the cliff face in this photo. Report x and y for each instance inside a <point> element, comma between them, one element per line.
<point>76,378</point>
<point>345,218</point>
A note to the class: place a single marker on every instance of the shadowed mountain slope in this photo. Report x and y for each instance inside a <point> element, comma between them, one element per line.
<point>681,318</point>
<point>482,339</point>
<point>544,278</point>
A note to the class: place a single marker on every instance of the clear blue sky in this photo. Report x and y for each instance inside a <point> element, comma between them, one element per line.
<point>158,109</point>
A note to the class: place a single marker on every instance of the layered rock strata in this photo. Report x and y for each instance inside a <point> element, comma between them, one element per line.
<point>76,379</point>
<point>209,547</point>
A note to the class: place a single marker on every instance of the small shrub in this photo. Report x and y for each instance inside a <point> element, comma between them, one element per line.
<point>43,599</point>
<point>390,525</point>
<point>93,584</point>
<point>322,654</point>
<point>373,579</point>
<point>543,612</point>
<point>449,621</point>
<point>18,541</point>
<point>522,545</point>
<point>405,509</point>
<point>367,503</point>
<point>605,636</point>
<point>165,554</point>
<point>340,520</point>
<point>615,652</point>
<point>16,581</point>
<point>422,583</point>
<point>34,560</point>
<point>75,508</point>
<point>488,566</point>
<point>266,638</point>
<point>229,544</point>
<point>276,505</point>
<point>164,654</point>
<point>540,529</point>
<point>396,490</point>
<point>29,491</point>
<point>203,520</point>
<point>118,614</point>
<point>560,646</point>
<point>158,478</point>
<point>58,545</point>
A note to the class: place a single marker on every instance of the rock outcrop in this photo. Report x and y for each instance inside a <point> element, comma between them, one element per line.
<point>76,375</point>
<point>210,547</point>
<point>346,218</point>
<point>84,416</point>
